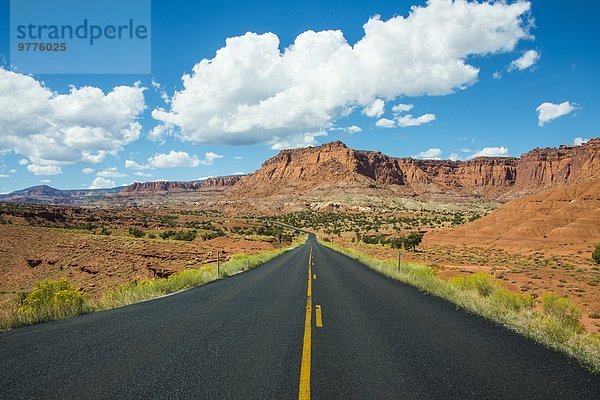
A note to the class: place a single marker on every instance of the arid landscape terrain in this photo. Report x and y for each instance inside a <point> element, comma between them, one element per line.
<point>299,200</point>
<point>532,221</point>
<point>101,248</point>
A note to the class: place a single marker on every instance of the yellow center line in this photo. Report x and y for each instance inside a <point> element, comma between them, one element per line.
<point>304,393</point>
<point>318,316</point>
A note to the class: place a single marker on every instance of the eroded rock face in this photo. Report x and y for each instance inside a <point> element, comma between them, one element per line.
<point>170,186</point>
<point>564,165</point>
<point>334,165</point>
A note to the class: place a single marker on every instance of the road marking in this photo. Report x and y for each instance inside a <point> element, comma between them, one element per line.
<point>318,316</point>
<point>304,393</point>
<point>314,277</point>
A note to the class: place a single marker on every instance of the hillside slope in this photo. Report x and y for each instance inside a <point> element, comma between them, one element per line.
<point>566,215</point>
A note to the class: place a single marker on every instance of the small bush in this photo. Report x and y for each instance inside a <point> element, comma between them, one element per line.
<point>481,282</point>
<point>104,231</point>
<point>185,235</point>
<point>179,235</point>
<point>596,254</point>
<point>52,299</point>
<point>136,232</point>
<point>561,308</point>
<point>166,234</point>
<point>503,299</point>
<point>211,235</point>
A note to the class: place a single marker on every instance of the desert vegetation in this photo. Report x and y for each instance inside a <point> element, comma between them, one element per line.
<point>384,228</point>
<point>596,254</point>
<point>59,299</point>
<point>108,248</point>
<point>552,320</point>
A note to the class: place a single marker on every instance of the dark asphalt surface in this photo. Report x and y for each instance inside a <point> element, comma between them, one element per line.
<point>241,338</point>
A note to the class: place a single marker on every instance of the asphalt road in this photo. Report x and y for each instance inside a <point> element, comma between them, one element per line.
<point>243,338</point>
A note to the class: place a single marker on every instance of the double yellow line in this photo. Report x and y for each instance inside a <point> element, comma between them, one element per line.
<point>304,393</point>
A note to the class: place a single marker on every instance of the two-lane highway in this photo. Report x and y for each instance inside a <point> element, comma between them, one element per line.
<point>310,323</point>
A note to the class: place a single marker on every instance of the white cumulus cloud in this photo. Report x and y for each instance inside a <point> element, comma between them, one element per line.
<point>401,108</point>
<point>385,123</point>
<point>88,171</point>
<point>111,172</point>
<point>527,60</point>
<point>174,159</point>
<point>376,109</point>
<point>353,129</point>
<point>491,152</point>
<point>58,129</point>
<point>409,120</point>
<point>431,154</point>
<point>252,91</point>
<point>44,169</point>
<point>102,183</point>
<point>578,141</point>
<point>134,165</point>
<point>142,174</point>
<point>549,111</point>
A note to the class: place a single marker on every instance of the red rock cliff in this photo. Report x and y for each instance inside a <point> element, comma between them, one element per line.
<point>333,165</point>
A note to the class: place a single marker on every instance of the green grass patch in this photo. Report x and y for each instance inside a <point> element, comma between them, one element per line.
<point>555,323</point>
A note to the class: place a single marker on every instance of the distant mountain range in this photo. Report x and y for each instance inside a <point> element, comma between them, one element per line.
<point>48,195</point>
<point>335,169</point>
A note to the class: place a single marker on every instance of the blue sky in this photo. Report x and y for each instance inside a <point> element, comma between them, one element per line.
<point>498,112</point>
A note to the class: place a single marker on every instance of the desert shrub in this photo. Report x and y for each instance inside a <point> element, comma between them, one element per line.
<point>136,232</point>
<point>509,301</point>
<point>561,308</point>
<point>166,234</point>
<point>596,254</point>
<point>152,235</point>
<point>179,235</point>
<point>211,235</point>
<point>413,240</point>
<point>104,231</point>
<point>86,226</point>
<point>52,299</point>
<point>481,282</point>
<point>397,243</point>
<point>188,236</point>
